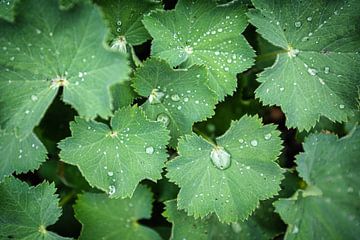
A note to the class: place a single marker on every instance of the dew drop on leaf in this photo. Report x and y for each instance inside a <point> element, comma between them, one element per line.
<point>163,118</point>
<point>220,158</point>
<point>312,71</point>
<point>297,24</point>
<point>34,98</point>
<point>110,174</point>
<point>341,106</point>
<point>175,98</point>
<point>149,150</point>
<point>112,189</point>
<point>254,143</point>
<point>236,227</point>
<point>326,70</point>
<point>268,136</point>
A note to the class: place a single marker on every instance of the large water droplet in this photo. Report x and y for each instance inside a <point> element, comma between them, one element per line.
<point>163,118</point>
<point>254,143</point>
<point>156,96</point>
<point>297,24</point>
<point>220,158</point>
<point>149,150</point>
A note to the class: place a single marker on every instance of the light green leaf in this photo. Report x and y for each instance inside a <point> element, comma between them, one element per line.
<point>202,33</point>
<point>25,211</point>
<point>317,74</point>
<point>186,227</point>
<point>232,191</point>
<point>122,95</point>
<point>116,159</point>
<point>124,20</point>
<point>7,9</point>
<point>177,98</point>
<point>329,207</point>
<point>47,48</point>
<point>104,218</point>
<point>19,155</point>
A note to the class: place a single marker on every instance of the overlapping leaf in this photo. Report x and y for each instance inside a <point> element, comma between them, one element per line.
<point>186,227</point>
<point>318,72</point>
<point>105,218</point>
<point>124,20</point>
<point>329,207</point>
<point>25,211</point>
<point>19,155</point>
<point>177,98</point>
<point>199,32</point>
<point>116,159</point>
<point>7,9</point>
<point>231,193</point>
<point>47,48</point>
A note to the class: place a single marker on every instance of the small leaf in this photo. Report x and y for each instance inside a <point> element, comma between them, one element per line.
<point>231,193</point>
<point>261,225</point>
<point>122,94</point>
<point>317,73</point>
<point>25,211</point>
<point>104,218</point>
<point>124,20</point>
<point>8,9</point>
<point>177,98</point>
<point>202,33</point>
<point>19,155</point>
<point>116,159</point>
<point>47,49</point>
<point>330,167</point>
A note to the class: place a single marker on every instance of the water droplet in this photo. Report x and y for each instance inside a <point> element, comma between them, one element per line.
<point>186,99</point>
<point>112,189</point>
<point>217,53</point>
<point>297,24</point>
<point>241,140</point>
<point>110,174</point>
<point>175,98</point>
<point>27,112</point>
<point>341,106</point>
<point>312,71</point>
<point>188,50</point>
<point>220,158</point>
<point>282,89</point>
<point>34,98</point>
<point>149,150</point>
<point>254,143</point>
<point>156,96</point>
<point>118,23</point>
<point>163,118</point>
<point>295,229</point>
<point>268,136</point>
<point>326,70</point>
<point>236,227</point>
<point>309,19</point>
<point>293,52</point>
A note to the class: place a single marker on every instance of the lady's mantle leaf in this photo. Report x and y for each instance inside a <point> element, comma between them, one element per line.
<point>199,32</point>
<point>25,211</point>
<point>105,218</point>
<point>124,20</point>
<point>329,208</point>
<point>231,193</point>
<point>8,8</point>
<point>47,48</point>
<point>19,155</point>
<point>116,159</point>
<point>318,72</point>
<point>177,98</point>
<point>186,227</point>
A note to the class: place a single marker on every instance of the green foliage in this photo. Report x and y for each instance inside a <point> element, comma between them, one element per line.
<point>318,68</point>
<point>105,218</point>
<point>330,167</point>
<point>156,119</point>
<point>25,211</point>
<point>232,193</point>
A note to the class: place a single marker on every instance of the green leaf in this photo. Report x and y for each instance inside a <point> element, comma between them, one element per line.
<point>317,73</point>
<point>177,98</point>
<point>19,155</point>
<point>7,9</point>
<point>232,190</point>
<point>25,211</point>
<point>47,48</point>
<point>125,22</point>
<point>67,4</point>
<point>202,33</point>
<point>104,218</point>
<point>116,159</point>
<point>186,227</point>
<point>122,95</point>
<point>330,167</point>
